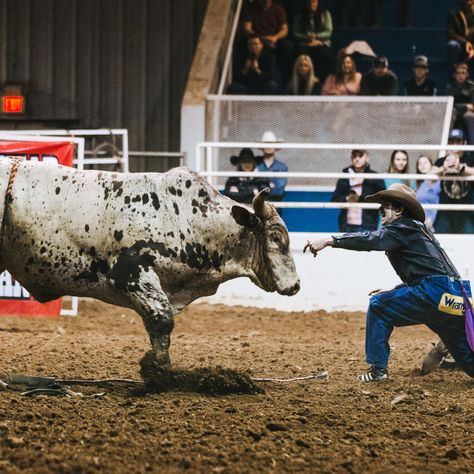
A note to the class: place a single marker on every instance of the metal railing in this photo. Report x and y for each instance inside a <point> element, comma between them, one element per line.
<point>205,162</point>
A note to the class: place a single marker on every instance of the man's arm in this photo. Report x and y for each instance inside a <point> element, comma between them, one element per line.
<point>467,170</point>
<point>281,33</point>
<point>318,245</point>
<point>342,190</point>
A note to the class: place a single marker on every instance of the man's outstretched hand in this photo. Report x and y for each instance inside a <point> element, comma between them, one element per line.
<point>317,246</point>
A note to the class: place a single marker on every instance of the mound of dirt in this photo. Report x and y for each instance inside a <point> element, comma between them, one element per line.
<point>210,381</point>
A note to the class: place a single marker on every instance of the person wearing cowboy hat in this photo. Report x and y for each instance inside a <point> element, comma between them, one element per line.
<point>432,291</point>
<point>270,163</point>
<point>244,188</point>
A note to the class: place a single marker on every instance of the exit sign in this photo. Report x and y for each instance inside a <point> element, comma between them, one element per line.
<point>13,104</point>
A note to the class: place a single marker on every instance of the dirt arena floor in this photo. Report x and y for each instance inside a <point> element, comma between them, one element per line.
<point>198,419</point>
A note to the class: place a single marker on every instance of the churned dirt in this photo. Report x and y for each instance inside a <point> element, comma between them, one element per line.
<point>209,415</point>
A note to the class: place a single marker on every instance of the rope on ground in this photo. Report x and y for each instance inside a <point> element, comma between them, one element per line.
<point>321,376</point>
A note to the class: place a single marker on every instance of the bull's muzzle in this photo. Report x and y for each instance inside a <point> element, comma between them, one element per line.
<point>292,290</point>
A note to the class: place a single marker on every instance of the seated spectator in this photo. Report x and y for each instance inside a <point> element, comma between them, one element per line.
<point>270,163</point>
<point>255,71</point>
<point>459,25</point>
<point>427,190</point>
<point>398,165</point>
<point>268,20</point>
<point>355,189</point>
<point>420,83</point>
<point>380,80</point>
<point>244,189</point>
<point>312,30</point>
<point>462,89</point>
<point>346,80</point>
<point>456,163</point>
<point>303,81</point>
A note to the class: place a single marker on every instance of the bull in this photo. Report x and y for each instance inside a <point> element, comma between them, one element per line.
<point>146,241</point>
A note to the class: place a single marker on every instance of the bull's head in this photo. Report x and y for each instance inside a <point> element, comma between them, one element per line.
<point>273,263</point>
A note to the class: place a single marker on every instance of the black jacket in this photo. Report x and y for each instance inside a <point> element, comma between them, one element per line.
<point>463,94</point>
<point>373,85</point>
<point>427,88</point>
<point>247,188</point>
<point>411,248</point>
<point>458,26</point>
<point>369,186</point>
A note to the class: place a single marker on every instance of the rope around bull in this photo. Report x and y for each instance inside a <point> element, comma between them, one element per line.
<point>9,193</point>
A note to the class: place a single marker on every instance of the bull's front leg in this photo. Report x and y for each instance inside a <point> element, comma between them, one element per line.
<point>152,304</point>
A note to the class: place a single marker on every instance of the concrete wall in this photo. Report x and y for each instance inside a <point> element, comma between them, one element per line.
<point>337,279</point>
<point>205,73</point>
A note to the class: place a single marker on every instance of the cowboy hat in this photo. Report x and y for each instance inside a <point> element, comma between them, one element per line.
<point>246,154</point>
<point>269,137</point>
<point>401,194</point>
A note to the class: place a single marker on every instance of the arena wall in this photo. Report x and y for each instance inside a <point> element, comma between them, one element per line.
<point>337,279</point>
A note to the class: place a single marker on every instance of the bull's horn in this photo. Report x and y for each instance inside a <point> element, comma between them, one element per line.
<point>261,208</point>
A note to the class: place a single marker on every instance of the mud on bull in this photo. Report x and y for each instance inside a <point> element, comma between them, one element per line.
<point>150,242</point>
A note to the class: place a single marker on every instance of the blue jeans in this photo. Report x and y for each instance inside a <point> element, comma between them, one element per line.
<point>428,302</point>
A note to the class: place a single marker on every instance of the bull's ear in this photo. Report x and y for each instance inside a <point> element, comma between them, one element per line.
<point>244,217</point>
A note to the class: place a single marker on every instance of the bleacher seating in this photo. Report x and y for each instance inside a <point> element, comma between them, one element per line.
<point>427,35</point>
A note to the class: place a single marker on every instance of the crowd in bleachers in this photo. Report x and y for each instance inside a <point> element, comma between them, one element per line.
<point>284,47</point>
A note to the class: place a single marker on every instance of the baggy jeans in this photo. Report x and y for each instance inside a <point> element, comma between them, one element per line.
<point>435,301</point>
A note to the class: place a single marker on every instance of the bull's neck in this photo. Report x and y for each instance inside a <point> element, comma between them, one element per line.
<point>241,252</point>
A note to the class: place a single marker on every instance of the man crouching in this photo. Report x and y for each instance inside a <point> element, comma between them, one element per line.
<point>432,291</point>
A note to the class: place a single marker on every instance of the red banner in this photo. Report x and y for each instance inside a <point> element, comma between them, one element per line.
<point>14,299</point>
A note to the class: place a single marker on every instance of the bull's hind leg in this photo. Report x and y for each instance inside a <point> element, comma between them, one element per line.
<point>152,304</point>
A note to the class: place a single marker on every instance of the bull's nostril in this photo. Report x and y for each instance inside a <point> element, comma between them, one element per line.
<point>295,288</point>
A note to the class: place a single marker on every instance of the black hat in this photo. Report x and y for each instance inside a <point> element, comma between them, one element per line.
<point>381,61</point>
<point>246,154</point>
<point>420,61</point>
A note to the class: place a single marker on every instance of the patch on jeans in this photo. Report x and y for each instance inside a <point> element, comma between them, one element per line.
<point>451,304</point>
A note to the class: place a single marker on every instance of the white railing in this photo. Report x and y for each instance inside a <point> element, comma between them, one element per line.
<point>227,69</point>
<point>205,166</point>
<point>80,161</point>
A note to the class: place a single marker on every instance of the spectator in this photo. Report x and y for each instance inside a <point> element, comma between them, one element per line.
<point>380,80</point>
<point>460,23</point>
<point>269,21</point>
<point>270,163</point>
<point>255,72</point>
<point>355,189</point>
<point>346,80</point>
<point>303,81</point>
<point>399,165</point>
<point>462,89</point>
<point>427,190</point>
<point>455,192</point>
<point>420,83</point>
<point>312,30</point>
<point>244,189</point>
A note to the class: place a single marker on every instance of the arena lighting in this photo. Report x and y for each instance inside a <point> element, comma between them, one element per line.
<point>13,99</point>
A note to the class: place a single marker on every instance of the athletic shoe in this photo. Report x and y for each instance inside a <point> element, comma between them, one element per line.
<point>434,358</point>
<point>374,375</point>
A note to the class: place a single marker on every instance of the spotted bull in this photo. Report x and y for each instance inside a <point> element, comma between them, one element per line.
<point>151,242</point>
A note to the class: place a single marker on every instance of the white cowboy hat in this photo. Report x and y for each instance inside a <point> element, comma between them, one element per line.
<point>403,195</point>
<point>269,137</point>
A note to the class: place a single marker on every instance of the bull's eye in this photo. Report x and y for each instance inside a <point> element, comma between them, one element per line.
<point>278,240</point>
